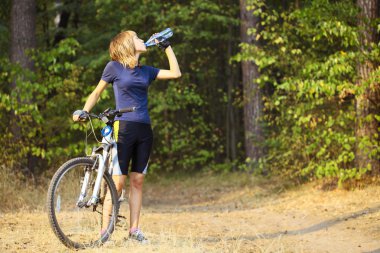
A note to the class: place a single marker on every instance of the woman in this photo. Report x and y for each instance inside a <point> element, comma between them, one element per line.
<point>133,132</point>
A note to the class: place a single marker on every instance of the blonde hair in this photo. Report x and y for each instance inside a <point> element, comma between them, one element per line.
<point>122,49</point>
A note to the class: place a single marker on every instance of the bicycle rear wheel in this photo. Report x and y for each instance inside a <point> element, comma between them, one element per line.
<point>75,226</point>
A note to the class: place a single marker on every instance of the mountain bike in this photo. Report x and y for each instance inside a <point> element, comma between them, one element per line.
<point>78,190</point>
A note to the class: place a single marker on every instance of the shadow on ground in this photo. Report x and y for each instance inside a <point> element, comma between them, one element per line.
<point>311,229</point>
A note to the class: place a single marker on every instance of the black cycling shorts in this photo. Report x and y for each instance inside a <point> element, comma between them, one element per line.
<point>134,142</point>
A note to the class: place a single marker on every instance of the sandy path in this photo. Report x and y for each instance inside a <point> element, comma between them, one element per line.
<point>235,219</point>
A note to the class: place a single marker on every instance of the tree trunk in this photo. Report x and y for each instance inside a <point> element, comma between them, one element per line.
<point>252,94</point>
<point>367,103</point>
<point>23,26</point>
<point>23,15</point>
<point>63,21</point>
<point>45,24</point>
<point>230,114</point>
<point>297,4</point>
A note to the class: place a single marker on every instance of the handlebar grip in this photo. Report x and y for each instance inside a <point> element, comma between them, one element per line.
<point>82,114</point>
<point>128,109</point>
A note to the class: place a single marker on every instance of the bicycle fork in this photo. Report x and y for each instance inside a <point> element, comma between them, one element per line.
<point>101,160</point>
<point>95,193</point>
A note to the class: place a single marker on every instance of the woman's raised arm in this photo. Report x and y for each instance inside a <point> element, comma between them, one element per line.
<point>174,71</point>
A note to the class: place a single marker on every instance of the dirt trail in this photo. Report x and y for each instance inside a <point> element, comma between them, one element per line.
<point>247,216</point>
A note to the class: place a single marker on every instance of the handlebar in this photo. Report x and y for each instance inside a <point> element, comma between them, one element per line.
<point>83,115</point>
<point>128,109</point>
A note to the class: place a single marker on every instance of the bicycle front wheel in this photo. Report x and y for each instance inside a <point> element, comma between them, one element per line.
<point>76,225</point>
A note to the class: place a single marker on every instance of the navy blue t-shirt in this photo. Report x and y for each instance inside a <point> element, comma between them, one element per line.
<point>131,89</point>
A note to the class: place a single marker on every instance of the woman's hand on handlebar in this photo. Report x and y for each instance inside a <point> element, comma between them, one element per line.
<point>79,115</point>
<point>76,118</point>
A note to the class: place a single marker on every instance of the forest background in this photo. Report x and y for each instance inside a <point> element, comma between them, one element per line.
<point>288,88</point>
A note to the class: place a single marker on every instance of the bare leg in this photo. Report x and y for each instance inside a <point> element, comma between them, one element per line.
<point>135,198</point>
<point>119,181</point>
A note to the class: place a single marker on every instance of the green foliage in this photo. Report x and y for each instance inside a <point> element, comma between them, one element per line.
<point>308,57</point>
<point>175,113</point>
<point>41,103</point>
<point>185,112</point>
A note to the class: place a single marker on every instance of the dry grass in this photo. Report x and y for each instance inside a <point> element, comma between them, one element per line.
<point>213,213</point>
<point>20,193</point>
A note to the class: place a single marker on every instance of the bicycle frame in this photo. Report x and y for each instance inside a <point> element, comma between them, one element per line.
<point>109,147</point>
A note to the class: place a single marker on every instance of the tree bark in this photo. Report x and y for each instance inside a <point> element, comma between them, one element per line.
<point>367,103</point>
<point>297,4</point>
<point>252,93</point>
<point>63,22</point>
<point>45,24</point>
<point>230,114</point>
<point>23,16</point>
<point>23,26</point>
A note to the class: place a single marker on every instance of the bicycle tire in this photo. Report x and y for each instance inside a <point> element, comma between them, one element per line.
<point>54,184</point>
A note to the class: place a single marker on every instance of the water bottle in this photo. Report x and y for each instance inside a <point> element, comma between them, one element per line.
<point>165,34</point>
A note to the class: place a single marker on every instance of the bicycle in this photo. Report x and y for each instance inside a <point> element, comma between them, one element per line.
<point>80,186</point>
